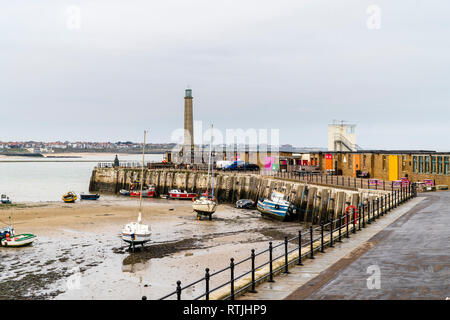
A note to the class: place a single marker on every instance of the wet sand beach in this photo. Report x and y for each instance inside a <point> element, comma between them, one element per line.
<point>79,254</point>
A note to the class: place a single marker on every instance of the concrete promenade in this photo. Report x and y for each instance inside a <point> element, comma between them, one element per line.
<point>410,246</point>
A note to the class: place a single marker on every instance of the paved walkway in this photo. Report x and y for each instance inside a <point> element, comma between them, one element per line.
<point>410,247</point>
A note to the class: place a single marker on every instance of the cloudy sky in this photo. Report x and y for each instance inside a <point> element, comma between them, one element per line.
<point>120,67</point>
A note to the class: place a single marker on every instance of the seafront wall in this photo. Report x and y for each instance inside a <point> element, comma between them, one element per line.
<point>317,203</point>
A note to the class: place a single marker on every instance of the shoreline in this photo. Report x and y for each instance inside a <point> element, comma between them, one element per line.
<point>85,236</point>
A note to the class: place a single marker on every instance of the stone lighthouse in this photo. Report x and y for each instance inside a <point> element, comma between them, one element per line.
<point>188,145</point>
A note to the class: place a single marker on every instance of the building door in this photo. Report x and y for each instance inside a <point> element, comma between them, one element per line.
<point>357,164</point>
<point>393,167</point>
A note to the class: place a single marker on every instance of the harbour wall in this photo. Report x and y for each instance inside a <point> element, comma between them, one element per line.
<point>317,203</point>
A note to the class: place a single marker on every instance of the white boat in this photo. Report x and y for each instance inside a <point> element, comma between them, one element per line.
<point>8,238</point>
<point>206,205</point>
<point>135,233</point>
<point>5,199</point>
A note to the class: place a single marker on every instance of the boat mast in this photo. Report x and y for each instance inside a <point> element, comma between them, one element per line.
<point>209,165</point>
<point>212,164</point>
<point>142,179</point>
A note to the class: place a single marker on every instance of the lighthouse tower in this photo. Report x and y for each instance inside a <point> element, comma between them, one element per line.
<point>188,145</point>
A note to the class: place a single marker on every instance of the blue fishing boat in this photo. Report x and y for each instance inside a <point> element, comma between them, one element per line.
<point>276,207</point>
<point>90,196</point>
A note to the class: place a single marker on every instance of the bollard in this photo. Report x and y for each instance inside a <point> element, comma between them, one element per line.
<point>286,271</point>
<point>207,283</point>
<point>253,272</point>
<point>311,236</point>
<point>321,238</point>
<point>270,261</point>
<point>340,227</point>
<point>178,290</point>
<point>232,279</point>
<point>299,263</point>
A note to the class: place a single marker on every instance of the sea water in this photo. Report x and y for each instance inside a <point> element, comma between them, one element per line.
<point>42,181</point>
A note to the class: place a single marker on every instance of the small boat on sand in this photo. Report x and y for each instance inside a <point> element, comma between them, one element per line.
<point>149,193</point>
<point>181,194</point>
<point>69,197</point>
<point>277,206</point>
<point>124,192</point>
<point>4,199</point>
<point>207,203</point>
<point>245,204</point>
<point>9,239</point>
<point>135,233</point>
<point>89,196</point>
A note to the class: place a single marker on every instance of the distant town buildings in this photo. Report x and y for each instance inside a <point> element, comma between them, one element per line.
<point>79,146</point>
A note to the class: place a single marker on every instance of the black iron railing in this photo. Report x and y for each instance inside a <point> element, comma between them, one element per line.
<point>343,181</point>
<point>332,231</point>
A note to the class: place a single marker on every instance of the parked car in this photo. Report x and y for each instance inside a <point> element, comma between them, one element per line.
<point>234,165</point>
<point>248,167</point>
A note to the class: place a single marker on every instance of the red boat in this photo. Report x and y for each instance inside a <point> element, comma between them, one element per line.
<point>149,193</point>
<point>181,194</point>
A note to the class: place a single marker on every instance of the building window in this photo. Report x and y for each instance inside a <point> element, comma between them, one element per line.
<point>446,166</point>
<point>349,161</point>
<point>403,163</point>
<point>433,164</point>
<point>384,162</point>
<point>415,164</point>
<point>427,164</point>
<point>439,165</point>
<point>364,160</point>
<point>420,164</point>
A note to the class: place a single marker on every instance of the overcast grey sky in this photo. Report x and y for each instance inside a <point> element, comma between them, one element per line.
<point>288,64</point>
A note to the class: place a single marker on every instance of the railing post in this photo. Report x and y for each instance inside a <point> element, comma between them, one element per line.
<point>368,212</point>
<point>253,272</point>
<point>232,279</point>
<point>331,233</point>
<point>286,265</point>
<point>378,207</point>
<point>311,242</point>
<point>270,262</point>
<point>178,290</point>
<point>340,227</point>
<point>207,283</point>
<point>299,263</point>
<point>373,210</point>
<point>363,217</point>
<point>359,217</point>
<point>321,238</point>
<point>354,220</point>
<point>346,224</point>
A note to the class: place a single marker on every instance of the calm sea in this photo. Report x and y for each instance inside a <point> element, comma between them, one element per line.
<point>25,181</point>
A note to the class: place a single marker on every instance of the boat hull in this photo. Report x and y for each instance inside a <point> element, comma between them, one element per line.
<point>145,194</point>
<point>273,210</point>
<point>204,208</point>
<point>138,239</point>
<point>182,196</point>
<point>124,192</point>
<point>90,196</point>
<point>19,240</point>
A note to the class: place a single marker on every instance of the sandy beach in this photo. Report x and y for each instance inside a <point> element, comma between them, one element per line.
<point>81,241</point>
